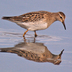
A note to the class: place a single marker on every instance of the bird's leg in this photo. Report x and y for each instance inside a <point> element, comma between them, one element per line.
<point>35,34</point>
<point>24,39</point>
<point>25,33</point>
<point>34,39</point>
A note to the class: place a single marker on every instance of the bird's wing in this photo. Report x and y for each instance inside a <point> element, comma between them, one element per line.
<point>28,17</point>
<point>31,17</point>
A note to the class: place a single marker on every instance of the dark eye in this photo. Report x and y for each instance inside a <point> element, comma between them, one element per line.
<point>60,17</point>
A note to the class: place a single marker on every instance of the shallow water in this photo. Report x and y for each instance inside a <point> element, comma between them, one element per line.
<point>14,43</point>
<point>35,54</point>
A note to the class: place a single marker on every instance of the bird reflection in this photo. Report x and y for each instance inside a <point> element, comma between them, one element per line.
<point>37,52</point>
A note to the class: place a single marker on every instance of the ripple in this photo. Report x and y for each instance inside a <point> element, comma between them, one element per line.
<point>15,35</point>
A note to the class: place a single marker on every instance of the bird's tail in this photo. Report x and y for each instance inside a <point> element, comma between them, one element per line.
<point>6,49</point>
<point>6,18</point>
<point>3,50</point>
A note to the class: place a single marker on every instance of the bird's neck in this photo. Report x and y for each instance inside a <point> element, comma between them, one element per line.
<point>53,18</point>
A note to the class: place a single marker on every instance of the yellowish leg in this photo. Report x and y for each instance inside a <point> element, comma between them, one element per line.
<point>25,33</point>
<point>35,34</point>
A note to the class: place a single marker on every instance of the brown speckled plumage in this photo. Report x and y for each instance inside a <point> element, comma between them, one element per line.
<point>38,20</point>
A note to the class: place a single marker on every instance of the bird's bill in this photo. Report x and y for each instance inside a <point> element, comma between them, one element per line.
<point>64,25</point>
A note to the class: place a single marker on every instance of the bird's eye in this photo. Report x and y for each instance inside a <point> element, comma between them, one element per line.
<point>60,17</point>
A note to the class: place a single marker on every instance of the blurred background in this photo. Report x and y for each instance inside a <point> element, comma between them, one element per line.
<point>61,39</point>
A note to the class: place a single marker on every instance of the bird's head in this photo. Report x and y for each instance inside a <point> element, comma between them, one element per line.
<point>61,18</point>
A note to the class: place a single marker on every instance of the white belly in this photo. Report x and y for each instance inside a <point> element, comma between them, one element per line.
<point>38,25</point>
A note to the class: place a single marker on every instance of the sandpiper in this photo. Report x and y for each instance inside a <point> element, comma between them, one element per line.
<point>38,20</point>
